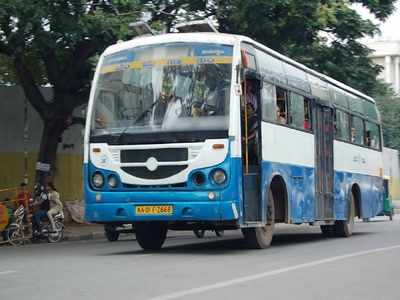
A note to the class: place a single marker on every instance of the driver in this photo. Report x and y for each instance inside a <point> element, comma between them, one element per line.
<point>169,106</point>
<point>42,201</point>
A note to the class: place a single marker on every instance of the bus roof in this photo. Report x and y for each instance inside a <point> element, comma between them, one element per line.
<point>228,39</point>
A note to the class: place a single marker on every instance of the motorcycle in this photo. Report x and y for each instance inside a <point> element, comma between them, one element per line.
<point>45,231</point>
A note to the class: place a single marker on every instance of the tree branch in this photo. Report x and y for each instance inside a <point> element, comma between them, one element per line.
<point>30,88</point>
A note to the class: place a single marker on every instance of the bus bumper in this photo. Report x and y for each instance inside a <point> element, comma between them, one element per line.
<point>182,211</point>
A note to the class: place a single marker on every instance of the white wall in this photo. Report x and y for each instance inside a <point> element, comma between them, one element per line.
<point>12,105</point>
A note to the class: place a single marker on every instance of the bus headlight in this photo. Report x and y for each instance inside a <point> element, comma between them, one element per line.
<point>198,178</point>
<point>219,176</point>
<point>112,181</point>
<point>98,180</point>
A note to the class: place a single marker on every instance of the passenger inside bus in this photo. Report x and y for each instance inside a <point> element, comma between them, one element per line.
<point>252,122</point>
<point>307,123</point>
<point>281,106</point>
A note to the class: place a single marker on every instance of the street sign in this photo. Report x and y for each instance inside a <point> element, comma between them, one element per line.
<point>42,167</point>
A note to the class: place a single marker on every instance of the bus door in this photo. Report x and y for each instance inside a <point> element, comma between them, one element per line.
<point>324,172</point>
<point>251,148</point>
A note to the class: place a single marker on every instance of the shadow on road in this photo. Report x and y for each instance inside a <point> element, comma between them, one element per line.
<point>231,245</point>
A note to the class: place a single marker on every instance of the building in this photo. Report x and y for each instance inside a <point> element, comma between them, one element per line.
<point>387,54</point>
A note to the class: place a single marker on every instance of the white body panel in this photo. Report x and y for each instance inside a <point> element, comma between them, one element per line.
<point>201,155</point>
<point>355,159</point>
<point>288,146</point>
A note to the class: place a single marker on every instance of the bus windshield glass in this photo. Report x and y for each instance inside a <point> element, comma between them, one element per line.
<point>167,88</point>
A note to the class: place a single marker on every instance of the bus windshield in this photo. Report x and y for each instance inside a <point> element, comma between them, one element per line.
<point>159,89</point>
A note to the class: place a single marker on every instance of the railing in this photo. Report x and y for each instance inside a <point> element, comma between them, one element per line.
<point>10,199</point>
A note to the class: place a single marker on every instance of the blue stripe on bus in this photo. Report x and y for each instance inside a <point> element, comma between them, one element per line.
<point>298,179</point>
<point>300,184</point>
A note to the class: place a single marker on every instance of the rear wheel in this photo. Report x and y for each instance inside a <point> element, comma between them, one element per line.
<point>261,237</point>
<point>151,235</point>
<point>345,228</point>
<point>15,235</point>
<point>57,236</point>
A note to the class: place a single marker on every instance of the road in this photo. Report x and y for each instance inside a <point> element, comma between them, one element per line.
<point>301,264</point>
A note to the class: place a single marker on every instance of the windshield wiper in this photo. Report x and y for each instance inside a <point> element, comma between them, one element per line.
<point>141,116</point>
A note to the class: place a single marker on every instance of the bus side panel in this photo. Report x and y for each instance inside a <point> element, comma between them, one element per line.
<point>355,165</point>
<point>289,153</point>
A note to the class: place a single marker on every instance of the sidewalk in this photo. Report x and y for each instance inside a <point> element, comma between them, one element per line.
<point>80,232</point>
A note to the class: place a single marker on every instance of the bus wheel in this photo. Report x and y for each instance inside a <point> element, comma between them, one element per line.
<point>261,237</point>
<point>151,235</point>
<point>345,228</point>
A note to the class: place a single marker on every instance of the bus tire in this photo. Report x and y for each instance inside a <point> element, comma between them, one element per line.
<point>261,237</point>
<point>151,235</point>
<point>345,228</point>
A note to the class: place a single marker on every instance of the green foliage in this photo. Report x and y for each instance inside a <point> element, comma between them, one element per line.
<point>56,34</point>
<point>390,111</point>
<point>54,42</point>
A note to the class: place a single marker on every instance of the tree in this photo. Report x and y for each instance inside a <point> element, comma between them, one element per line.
<point>323,35</point>
<point>54,42</point>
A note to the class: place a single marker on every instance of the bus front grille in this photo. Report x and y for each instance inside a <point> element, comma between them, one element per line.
<point>161,172</point>
<point>161,155</point>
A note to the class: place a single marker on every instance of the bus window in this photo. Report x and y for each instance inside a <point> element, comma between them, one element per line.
<point>307,114</point>
<point>268,102</point>
<point>342,126</point>
<point>357,130</point>
<point>281,105</point>
<point>372,136</point>
<point>296,110</point>
<point>300,112</point>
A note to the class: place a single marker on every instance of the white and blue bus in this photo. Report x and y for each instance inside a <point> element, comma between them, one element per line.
<point>191,131</point>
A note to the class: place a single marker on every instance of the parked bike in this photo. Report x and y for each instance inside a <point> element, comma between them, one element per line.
<point>15,231</point>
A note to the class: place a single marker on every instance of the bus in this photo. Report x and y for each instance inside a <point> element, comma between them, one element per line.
<point>190,131</point>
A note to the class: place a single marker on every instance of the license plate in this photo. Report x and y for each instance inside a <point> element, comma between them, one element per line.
<point>154,210</point>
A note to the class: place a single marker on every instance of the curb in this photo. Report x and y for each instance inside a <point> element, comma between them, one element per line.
<point>85,237</point>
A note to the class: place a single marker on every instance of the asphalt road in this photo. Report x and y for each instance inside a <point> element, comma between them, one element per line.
<point>301,264</point>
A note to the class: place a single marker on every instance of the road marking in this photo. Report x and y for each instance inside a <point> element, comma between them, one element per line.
<point>244,279</point>
<point>7,272</point>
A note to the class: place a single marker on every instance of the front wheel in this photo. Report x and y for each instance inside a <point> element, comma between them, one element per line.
<point>261,237</point>
<point>15,235</point>
<point>151,235</point>
<point>58,234</point>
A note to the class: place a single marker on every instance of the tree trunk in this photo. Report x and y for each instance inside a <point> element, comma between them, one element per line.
<point>51,136</point>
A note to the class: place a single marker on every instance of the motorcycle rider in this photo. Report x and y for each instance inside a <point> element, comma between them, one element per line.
<point>56,205</point>
<point>42,204</point>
